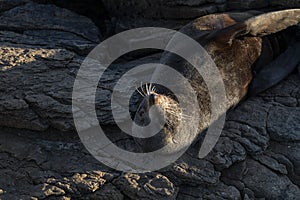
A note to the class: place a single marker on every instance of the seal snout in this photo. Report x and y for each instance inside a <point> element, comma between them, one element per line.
<point>142,114</point>
<point>163,106</point>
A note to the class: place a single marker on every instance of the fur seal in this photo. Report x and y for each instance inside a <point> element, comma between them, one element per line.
<point>253,51</point>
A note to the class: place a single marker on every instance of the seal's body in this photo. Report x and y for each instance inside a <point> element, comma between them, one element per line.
<point>252,51</point>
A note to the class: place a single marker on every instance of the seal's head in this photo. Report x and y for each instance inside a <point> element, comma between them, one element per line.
<point>167,107</point>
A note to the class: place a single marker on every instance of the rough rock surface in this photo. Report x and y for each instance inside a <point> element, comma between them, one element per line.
<point>94,10</point>
<point>41,49</point>
<point>174,13</point>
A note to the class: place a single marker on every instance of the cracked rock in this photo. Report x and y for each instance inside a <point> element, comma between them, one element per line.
<point>226,153</point>
<point>221,191</point>
<point>150,186</point>
<point>192,171</point>
<point>283,124</point>
<point>268,184</point>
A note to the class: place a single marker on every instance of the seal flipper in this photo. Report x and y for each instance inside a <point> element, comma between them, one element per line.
<point>281,67</point>
<point>258,26</point>
<point>272,22</point>
<point>276,70</point>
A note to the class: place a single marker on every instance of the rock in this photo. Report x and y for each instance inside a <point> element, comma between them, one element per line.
<point>289,155</point>
<point>246,5</point>
<point>271,163</point>
<point>45,167</point>
<point>93,10</point>
<point>256,119</point>
<point>90,182</point>
<point>86,184</point>
<point>247,136</point>
<point>107,192</point>
<point>46,190</point>
<point>32,87</point>
<point>2,191</point>
<point>192,171</point>
<point>37,67</point>
<point>9,4</point>
<point>226,153</point>
<point>221,191</point>
<point>171,14</point>
<point>150,186</point>
<point>42,17</point>
<point>233,176</point>
<point>286,101</point>
<point>286,4</point>
<point>283,124</point>
<point>255,179</point>
<point>133,14</point>
<point>267,184</point>
<point>272,156</point>
<point>41,98</point>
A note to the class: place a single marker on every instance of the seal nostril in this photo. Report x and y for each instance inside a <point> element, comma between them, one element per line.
<point>152,99</point>
<point>141,113</point>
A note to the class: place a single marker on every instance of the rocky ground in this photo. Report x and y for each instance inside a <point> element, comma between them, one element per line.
<point>175,13</point>
<point>41,157</point>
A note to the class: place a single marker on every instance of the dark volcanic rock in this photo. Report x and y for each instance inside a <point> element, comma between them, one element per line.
<point>92,9</point>
<point>221,191</point>
<point>226,153</point>
<point>261,181</point>
<point>247,5</point>
<point>283,124</point>
<point>288,155</point>
<point>172,13</point>
<point>9,4</point>
<point>48,17</point>
<point>192,171</point>
<point>285,4</point>
<point>41,49</point>
<point>150,186</point>
<point>45,168</point>
<point>268,184</point>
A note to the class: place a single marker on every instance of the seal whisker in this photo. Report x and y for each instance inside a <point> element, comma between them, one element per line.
<point>150,86</point>
<point>147,88</point>
<point>143,90</point>
<point>137,89</point>
<point>186,116</point>
<point>154,89</point>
